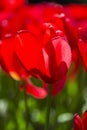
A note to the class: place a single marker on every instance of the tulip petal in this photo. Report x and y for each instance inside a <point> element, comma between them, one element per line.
<point>77,122</point>
<point>6,52</point>
<point>84,120</point>
<point>35,91</point>
<point>77,11</point>
<point>63,51</point>
<point>58,86</point>
<point>9,61</point>
<point>12,4</point>
<point>28,50</point>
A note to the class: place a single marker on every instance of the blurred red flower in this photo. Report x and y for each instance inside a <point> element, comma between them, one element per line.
<point>77,14</point>
<point>80,124</point>
<point>11,5</point>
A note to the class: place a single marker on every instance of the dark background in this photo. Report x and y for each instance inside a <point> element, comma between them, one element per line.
<point>59,1</point>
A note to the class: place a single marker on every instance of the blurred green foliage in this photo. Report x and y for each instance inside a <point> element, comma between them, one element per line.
<point>72,99</point>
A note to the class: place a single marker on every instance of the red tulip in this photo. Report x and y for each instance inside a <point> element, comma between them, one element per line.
<point>42,52</point>
<point>50,59</point>
<point>76,30</point>
<point>50,49</point>
<point>76,11</point>
<point>80,124</point>
<point>9,60</point>
<point>11,64</point>
<point>82,42</point>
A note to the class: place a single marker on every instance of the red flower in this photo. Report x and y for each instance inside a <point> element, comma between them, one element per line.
<point>76,11</point>
<point>42,52</point>
<point>76,30</point>
<point>80,124</point>
<point>11,64</point>
<point>9,61</point>
<point>50,59</point>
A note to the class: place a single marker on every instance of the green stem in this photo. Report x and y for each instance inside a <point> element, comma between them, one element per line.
<point>26,107</point>
<point>48,107</point>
